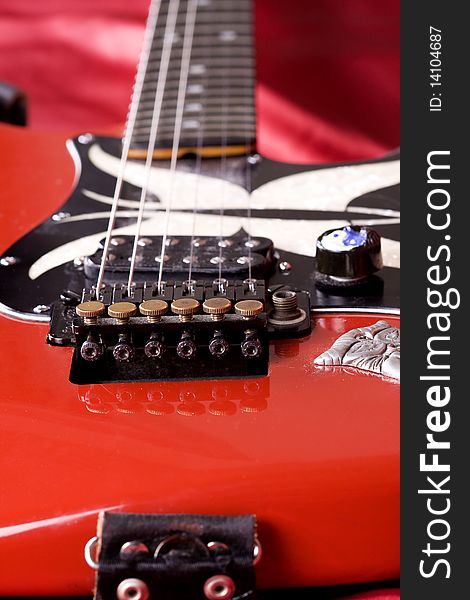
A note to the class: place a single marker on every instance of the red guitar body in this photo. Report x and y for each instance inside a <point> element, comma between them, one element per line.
<point>314,453</point>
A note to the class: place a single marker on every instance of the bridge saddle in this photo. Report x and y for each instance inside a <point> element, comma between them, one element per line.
<point>178,331</point>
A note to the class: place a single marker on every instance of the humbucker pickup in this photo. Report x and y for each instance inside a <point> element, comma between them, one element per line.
<point>207,254</point>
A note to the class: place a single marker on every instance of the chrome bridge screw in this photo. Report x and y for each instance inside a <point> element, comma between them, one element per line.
<point>249,309</point>
<point>123,351</point>
<point>218,346</point>
<point>185,308</point>
<point>217,307</point>
<point>122,311</point>
<point>154,348</point>
<point>153,310</point>
<point>186,348</point>
<point>251,347</point>
<point>91,350</point>
<point>90,311</point>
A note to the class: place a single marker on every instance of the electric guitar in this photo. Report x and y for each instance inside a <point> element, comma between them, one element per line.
<point>188,327</point>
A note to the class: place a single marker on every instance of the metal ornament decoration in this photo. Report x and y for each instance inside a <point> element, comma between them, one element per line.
<point>374,348</point>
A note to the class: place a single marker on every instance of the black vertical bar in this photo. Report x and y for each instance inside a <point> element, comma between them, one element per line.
<point>435,119</point>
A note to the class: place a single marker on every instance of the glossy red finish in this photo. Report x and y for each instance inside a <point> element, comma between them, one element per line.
<point>312,452</point>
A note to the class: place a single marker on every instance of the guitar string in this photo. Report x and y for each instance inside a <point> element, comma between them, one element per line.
<point>195,204</point>
<point>135,103</point>
<point>223,171</point>
<point>198,169</point>
<point>149,34</point>
<point>248,184</point>
<point>249,85</point>
<point>223,159</point>
<point>224,165</point>
<point>168,40</point>
<point>182,86</point>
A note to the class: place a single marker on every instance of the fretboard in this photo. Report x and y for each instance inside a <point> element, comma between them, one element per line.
<point>219,107</point>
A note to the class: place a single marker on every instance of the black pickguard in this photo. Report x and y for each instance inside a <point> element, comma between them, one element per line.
<point>19,294</point>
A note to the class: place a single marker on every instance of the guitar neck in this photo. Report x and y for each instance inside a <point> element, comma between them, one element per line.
<point>219,106</point>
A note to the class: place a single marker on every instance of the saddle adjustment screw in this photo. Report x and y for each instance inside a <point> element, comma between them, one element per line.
<point>217,307</point>
<point>90,311</point>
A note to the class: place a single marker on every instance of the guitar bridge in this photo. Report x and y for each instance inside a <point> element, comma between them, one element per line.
<point>178,331</point>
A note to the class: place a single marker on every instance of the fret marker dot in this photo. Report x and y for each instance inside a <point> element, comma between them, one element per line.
<point>197,69</point>
<point>193,107</point>
<point>227,36</point>
<point>172,38</point>
<point>190,124</point>
<point>195,88</point>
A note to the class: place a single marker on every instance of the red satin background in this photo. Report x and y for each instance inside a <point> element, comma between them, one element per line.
<point>328,75</point>
<point>328,70</point>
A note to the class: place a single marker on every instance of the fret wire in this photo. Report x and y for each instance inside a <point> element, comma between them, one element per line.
<point>231,20</point>
<point>238,6</point>
<point>239,114</point>
<point>209,29</point>
<point>215,92</point>
<point>188,126</point>
<point>243,27</point>
<point>241,129</point>
<point>242,74</point>
<point>240,88</point>
<point>208,50</point>
<point>245,71</point>
<point>216,99</point>
<point>235,82</point>
<point>236,111</point>
<point>238,98</point>
<point>242,61</point>
<point>240,132</point>
<point>197,90</point>
<point>223,38</point>
<point>213,89</point>
<point>215,60</point>
<point>241,40</point>
<point>236,120</point>
<point>190,123</point>
<point>213,126</point>
<point>220,4</point>
<point>189,134</point>
<point>242,50</point>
